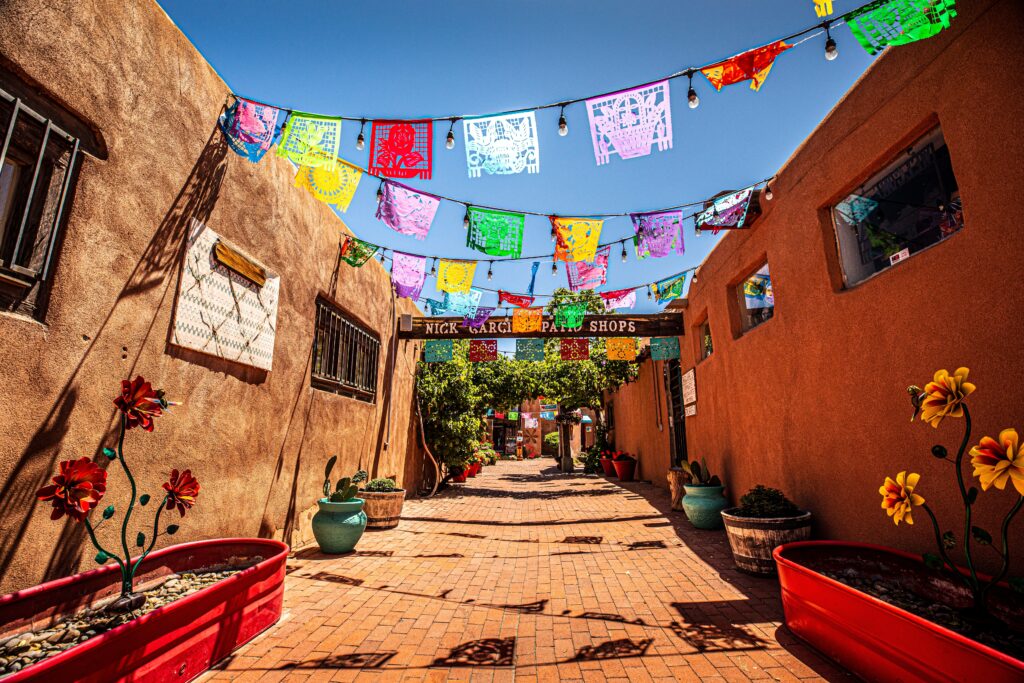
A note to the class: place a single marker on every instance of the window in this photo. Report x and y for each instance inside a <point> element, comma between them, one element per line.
<point>345,355</point>
<point>756,299</point>
<point>704,339</point>
<point>911,204</point>
<point>37,167</point>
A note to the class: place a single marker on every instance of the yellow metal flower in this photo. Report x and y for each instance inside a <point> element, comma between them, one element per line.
<point>996,462</point>
<point>898,497</point>
<point>944,396</point>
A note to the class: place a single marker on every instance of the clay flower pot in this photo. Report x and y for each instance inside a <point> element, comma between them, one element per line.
<point>703,506</point>
<point>608,467</point>
<point>878,641</point>
<point>383,510</point>
<point>753,539</point>
<point>460,478</point>
<point>625,469</point>
<point>339,526</point>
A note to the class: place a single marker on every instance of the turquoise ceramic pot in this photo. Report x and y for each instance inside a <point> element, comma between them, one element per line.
<point>703,506</point>
<point>338,526</point>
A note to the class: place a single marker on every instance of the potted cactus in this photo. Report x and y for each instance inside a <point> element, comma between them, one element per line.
<point>340,521</point>
<point>382,503</point>
<point>764,520</point>
<point>703,502</point>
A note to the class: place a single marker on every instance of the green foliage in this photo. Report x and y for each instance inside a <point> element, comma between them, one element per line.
<point>108,512</point>
<point>360,477</point>
<point>382,485</point>
<point>699,474</point>
<point>345,491</point>
<point>172,529</point>
<point>144,499</point>
<point>592,460</point>
<point>140,540</point>
<point>764,502</point>
<point>549,446</point>
<point>451,405</point>
<point>327,474</point>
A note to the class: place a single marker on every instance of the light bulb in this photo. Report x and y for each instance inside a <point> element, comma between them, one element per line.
<point>380,194</point>
<point>831,51</point>
<point>433,267</point>
<point>554,268</point>
<point>649,295</point>
<point>696,231</point>
<point>360,142</point>
<point>449,142</point>
<point>563,126</point>
<point>768,193</point>
<point>692,99</point>
<point>465,220</point>
<point>490,273</point>
<point>623,253</point>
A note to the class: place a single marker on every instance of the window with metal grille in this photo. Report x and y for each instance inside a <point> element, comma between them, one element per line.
<point>345,355</point>
<point>37,171</point>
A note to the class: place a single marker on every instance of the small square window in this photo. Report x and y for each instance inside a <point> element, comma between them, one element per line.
<point>756,299</point>
<point>345,355</point>
<point>704,339</point>
<point>911,203</point>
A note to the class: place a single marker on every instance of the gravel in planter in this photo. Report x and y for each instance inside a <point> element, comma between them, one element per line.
<point>1007,642</point>
<point>23,649</point>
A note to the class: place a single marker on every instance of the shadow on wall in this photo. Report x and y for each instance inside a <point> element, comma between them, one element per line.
<point>154,269</point>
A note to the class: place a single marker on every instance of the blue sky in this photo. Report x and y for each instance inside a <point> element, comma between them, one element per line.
<point>409,59</point>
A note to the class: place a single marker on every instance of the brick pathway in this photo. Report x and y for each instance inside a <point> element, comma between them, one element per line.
<point>528,574</point>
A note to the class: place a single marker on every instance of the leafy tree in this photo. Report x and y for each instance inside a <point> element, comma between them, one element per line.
<point>450,404</point>
<point>505,383</point>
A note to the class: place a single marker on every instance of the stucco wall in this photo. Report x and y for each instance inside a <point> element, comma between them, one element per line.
<point>813,401</point>
<point>641,422</point>
<point>256,440</point>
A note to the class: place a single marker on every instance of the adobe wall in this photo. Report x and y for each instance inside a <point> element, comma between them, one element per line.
<point>641,422</point>
<point>814,401</point>
<point>257,441</point>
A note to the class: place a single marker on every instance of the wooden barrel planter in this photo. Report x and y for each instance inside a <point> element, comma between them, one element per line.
<point>753,539</point>
<point>383,510</point>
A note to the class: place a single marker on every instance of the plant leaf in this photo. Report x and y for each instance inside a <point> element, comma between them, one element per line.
<point>101,557</point>
<point>972,495</point>
<point>330,466</point>
<point>948,539</point>
<point>143,499</point>
<point>939,451</point>
<point>172,529</point>
<point>108,512</point>
<point>932,561</point>
<point>110,453</point>
<point>981,536</point>
<point>140,540</point>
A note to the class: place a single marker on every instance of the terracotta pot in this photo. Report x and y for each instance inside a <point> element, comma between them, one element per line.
<point>608,467</point>
<point>383,510</point>
<point>878,641</point>
<point>461,476</point>
<point>753,539</point>
<point>624,469</point>
<point>176,642</point>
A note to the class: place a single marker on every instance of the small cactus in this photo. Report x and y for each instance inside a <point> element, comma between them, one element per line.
<point>347,487</point>
<point>345,491</point>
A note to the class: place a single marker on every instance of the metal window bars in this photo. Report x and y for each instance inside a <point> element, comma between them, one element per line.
<point>10,260</point>
<point>345,355</point>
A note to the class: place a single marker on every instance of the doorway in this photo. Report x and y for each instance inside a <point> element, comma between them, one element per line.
<point>676,419</point>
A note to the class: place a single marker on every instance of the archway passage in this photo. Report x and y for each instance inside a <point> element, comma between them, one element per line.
<point>526,573</point>
<point>500,327</point>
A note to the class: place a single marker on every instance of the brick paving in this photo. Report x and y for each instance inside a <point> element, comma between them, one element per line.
<point>524,573</point>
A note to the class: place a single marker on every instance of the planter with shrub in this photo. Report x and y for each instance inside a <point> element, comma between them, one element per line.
<point>591,460</point>
<point>607,458</point>
<point>625,466</point>
<point>764,520</point>
<point>549,445</point>
<point>703,502</point>
<point>382,502</point>
<point>339,523</point>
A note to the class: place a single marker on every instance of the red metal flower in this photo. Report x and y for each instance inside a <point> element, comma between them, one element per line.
<point>140,403</point>
<point>78,488</point>
<point>182,491</point>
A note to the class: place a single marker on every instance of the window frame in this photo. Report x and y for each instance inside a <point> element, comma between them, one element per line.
<point>746,321</point>
<point>337,332</point>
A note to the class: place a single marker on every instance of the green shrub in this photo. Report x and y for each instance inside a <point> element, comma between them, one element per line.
<point>762,502</point>
<point>382,485</point>
<point>550,444</point>
<point>592,460</point>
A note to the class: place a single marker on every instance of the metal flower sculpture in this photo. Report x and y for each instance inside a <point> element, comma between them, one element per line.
<point>996,463</point>
<point>80,484</point>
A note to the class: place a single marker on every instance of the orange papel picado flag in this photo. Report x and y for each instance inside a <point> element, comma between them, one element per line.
<point>621,348</point>
<point>527,319</point>
<point>753,65</point>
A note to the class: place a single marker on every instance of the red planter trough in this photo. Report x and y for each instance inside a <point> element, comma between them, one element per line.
<point>175,642</point>
<point>461,476</point>
<point>608,467</point>
<point>876,640</point>
<point>625,469</point>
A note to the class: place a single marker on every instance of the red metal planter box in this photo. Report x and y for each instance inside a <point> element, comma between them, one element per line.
<point>175,642</point>
<point>876,640</point>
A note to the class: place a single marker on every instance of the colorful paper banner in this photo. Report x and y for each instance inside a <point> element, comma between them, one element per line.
<point>547,415</point>
<point>728,212</point>
<point>574,349</point>
<point>434,307</point>
<point>335,187</point>
<point>408,271</point>
<point>664,348</point>
<point>514,299</point>
<point>899,22</point>
<point>669,288</point>
<point>502,145</point>
<point>249,128</point>
<point>576,239</point>
<point>621,348</point>
<point>620,298</point>
<point>455,276</point>
<point>479,317</point>
<point>406,211</point>
<point>585,275</point>
<point>438,351</point>
<point>463,303</point>
<point>494,232</point>
<point>311,140</point>
<point>482,350</point>
<point>402,149</point>
<point>527,320</point>
<point>570,316</point>
<point>356,252</point>
<point>630,122</point>
<point>753,65</point>
<point>658,233</point>
<point>530,349</point>
<point>533,277</point>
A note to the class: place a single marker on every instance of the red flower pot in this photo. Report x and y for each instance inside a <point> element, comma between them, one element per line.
<point>876,640</point>
<point>176,642</point>
<point>608,467</point>
<point>461,476</point>
<point>625,469</point>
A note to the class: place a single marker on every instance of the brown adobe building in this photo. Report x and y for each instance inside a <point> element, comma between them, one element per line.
<point>810,397</point>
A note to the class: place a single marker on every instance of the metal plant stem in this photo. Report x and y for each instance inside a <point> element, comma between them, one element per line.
<point>125,590</point>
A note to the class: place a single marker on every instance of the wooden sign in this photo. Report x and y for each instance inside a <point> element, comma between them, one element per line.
<point>654,325</point>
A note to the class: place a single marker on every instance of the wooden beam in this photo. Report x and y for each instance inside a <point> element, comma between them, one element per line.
<point>654,325</point>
